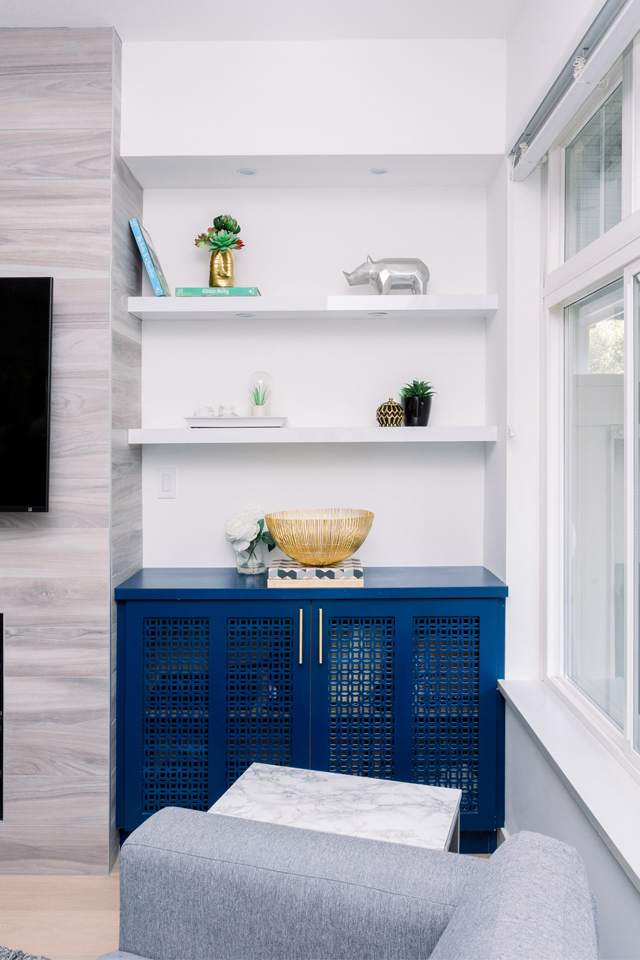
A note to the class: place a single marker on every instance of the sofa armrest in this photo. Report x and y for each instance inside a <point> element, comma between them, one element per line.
<point>201,886</point>
<point>534,903</point>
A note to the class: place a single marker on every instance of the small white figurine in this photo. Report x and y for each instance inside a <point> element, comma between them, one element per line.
<point>391,274</point>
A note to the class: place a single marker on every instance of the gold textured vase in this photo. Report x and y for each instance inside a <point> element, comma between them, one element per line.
<point>221,269</point>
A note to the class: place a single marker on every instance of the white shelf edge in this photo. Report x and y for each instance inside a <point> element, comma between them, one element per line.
<point>427,307</point>
<point>174,435</point>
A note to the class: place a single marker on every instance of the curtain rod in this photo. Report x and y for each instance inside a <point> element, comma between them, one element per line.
<point>568,76</point>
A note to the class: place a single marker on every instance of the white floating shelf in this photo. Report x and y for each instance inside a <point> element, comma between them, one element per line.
<point>428,307</point>
<point>160,435</point>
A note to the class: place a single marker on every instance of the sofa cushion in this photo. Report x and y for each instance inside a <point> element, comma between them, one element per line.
<point>208,887</point>
<point>534,903</point>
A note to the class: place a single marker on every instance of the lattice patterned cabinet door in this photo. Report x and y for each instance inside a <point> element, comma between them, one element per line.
<point>360,696</point>
<point>262,653</point>
<point>175,737</point>
<point>445,704</point>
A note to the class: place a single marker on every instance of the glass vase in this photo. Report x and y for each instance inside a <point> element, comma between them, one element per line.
<point>253,560</point>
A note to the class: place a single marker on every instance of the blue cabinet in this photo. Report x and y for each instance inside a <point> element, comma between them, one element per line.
<point>394,681</point>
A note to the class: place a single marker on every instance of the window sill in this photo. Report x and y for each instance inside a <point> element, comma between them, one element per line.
<point>607,794</point>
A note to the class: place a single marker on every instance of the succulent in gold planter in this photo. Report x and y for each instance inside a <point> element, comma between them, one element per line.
<point>390,414</point>
<point>221,239</point>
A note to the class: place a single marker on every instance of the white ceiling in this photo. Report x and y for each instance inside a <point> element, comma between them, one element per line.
<point>271,19</point>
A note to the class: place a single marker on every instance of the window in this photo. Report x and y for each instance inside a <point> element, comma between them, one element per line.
<point>591,371</point>
<point>599,617</point>
<point>593,176</point>
<point>594,491</point>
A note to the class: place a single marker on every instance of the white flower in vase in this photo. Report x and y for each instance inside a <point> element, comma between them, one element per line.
<point>244,528</point>
<point>249,536</point>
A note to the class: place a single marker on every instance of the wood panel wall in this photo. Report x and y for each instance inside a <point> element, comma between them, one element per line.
<point>65,197</point>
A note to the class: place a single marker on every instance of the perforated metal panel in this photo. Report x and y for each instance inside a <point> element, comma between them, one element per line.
<point>361,695</point>
<point>260,653</point>
<point>176,713</point>
<point>446,653</point>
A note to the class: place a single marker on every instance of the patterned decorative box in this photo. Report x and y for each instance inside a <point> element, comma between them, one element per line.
<point>289,573</point>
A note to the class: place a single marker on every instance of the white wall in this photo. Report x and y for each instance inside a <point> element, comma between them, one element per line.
<point>543,37</point>
<point>314,97</point>
<point>299,240</point>
<point>537,800</point>
<point>428,501</point>
<point>524,455</point>
<point>495,516</point>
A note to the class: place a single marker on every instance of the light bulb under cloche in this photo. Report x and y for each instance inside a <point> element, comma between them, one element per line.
<point>260,386</point>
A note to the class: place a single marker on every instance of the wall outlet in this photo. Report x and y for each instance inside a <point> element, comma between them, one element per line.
<point>166,483</point>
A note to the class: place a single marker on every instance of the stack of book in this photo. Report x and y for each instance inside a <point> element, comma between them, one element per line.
<point>289,573</point>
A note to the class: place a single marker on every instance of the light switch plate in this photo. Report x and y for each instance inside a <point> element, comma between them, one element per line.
<point>166,483</point>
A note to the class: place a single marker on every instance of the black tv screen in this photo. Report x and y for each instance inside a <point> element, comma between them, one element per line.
<point>25,392</point>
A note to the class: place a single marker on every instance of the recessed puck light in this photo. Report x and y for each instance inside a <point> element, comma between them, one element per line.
<point>246,171</point>
<point>245,316</point>
<point>378,171</point>
<point>378,314</point>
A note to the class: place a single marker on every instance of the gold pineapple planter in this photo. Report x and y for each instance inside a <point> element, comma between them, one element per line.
<point>221,269</point>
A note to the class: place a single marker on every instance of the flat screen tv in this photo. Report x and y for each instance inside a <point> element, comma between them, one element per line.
<point>25,392</point>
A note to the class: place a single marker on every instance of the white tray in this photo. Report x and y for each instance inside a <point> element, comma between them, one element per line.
<point>200,422</point>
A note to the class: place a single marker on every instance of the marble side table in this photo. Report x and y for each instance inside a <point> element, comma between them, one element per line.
<point>386,810</point>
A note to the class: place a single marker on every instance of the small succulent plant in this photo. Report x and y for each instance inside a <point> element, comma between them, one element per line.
<point>225,222</point>
<point>418,388</point>
<point>223,235</point>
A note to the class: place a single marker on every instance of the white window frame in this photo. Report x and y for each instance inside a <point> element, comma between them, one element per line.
<point>614,255</point>
<point>622,72</point>
<point>619,259</point>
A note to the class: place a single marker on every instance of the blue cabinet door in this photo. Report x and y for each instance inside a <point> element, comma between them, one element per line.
<point>266,687</point>
<point>205,689</point>
<point>406,690</point>
<point>353,687</point>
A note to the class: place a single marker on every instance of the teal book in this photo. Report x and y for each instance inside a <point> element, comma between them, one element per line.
<point>217,292</point>
<point>150,259</point>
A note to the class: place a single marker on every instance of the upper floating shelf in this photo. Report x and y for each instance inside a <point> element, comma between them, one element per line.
<point>393,307</point>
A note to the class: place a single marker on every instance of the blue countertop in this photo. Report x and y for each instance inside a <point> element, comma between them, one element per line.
<point>225,583</point>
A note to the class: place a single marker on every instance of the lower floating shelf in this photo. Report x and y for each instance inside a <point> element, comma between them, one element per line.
<point>161,435</point>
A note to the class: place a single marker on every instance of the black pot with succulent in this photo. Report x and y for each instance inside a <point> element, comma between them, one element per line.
<point>416,400</point>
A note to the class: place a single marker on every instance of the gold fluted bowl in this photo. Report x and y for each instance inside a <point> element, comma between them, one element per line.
<point>318,538</point>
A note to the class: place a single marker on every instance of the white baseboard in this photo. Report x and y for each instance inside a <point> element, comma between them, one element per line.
<point>503,835</point>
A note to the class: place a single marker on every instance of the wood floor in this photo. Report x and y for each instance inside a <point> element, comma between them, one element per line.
<point>62,918</point>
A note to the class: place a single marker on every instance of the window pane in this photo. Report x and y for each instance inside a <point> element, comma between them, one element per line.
<point>593,188</point>
<point>594,485</point>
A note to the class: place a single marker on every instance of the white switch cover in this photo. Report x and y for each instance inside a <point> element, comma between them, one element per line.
<point>166,483</point>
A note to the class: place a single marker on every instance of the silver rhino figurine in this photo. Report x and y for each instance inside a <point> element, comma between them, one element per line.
<point>391,274</point>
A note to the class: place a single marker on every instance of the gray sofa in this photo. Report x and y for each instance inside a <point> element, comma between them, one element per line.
<point>198,886</point>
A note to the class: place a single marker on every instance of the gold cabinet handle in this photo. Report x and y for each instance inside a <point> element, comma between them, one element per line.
<point>320,635</point>
<point>300,640</point>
